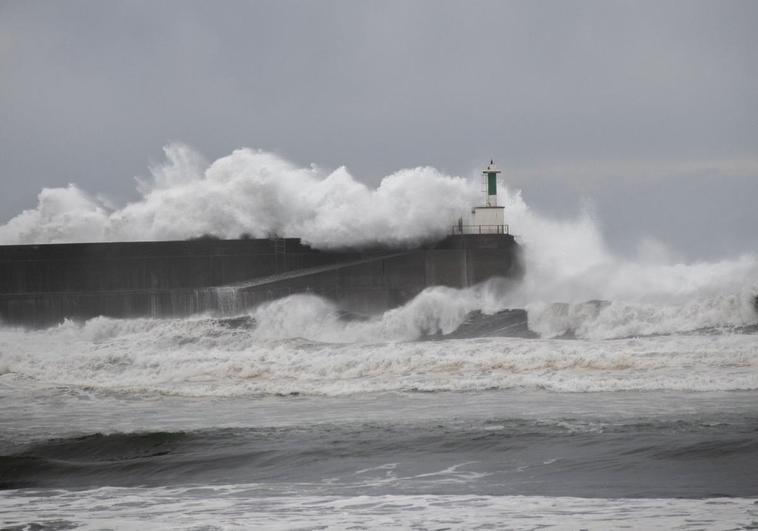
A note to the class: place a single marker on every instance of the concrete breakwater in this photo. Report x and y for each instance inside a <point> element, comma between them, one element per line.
<point>44,284</point>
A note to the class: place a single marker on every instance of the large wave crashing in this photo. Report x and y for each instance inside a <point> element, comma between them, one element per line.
<point>654,292</point>
<point>256,193</point>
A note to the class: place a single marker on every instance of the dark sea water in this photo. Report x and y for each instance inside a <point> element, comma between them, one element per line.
<point>208,423</point>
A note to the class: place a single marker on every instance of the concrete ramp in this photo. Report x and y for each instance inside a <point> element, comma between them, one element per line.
<point>300,273</point>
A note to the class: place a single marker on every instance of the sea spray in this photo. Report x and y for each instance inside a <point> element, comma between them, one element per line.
<point>721,313</point>
<point>256,193</point>
<point>436,310</point>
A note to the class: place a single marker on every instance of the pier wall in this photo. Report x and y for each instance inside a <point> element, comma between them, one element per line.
<point>44,284</point>
<point>98,267</point>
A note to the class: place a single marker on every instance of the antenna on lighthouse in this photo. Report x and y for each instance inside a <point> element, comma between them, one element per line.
<point>490,175</point>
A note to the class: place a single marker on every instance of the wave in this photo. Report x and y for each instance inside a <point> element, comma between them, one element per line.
<point>208,357</point>
<point>256,193</point>
<point>359,453</point>
<point>485,310</point>
<point>730,312</point>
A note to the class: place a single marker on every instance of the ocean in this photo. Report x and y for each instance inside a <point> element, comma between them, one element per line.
<point>595,415</point>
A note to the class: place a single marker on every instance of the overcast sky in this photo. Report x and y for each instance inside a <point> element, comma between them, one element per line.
<point>646,112</point>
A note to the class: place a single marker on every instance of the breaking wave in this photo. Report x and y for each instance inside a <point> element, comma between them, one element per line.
<point>255,193</point>
<point>221,357</point>
<point>448,312</point>
<point>609,320</point>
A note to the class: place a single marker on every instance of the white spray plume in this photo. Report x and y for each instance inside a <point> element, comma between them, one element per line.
<point>256,193</point>
<point>656,292</point>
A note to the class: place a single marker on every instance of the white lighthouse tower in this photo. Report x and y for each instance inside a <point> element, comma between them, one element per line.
<point>489,218</point>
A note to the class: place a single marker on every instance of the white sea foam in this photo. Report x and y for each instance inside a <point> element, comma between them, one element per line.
<point>619,319</point>
<point>252,192</point>
<point>240,507</point>
<point>568,260</point>
<point>443,310</point>
<point>202,357</point>
<point>435,310</point>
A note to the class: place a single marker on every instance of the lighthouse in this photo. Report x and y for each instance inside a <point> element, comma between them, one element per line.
<point>488,218</point>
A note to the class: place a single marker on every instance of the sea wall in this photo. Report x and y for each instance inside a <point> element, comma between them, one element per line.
<point>42,285</point>
<point>152,265</point>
